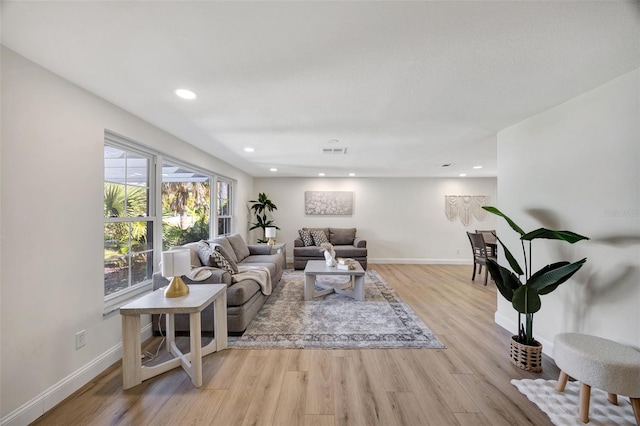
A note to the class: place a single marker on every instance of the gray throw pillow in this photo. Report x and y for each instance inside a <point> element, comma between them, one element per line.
<point>239,247</point>
<point>342,236</point>
<point>306,238</point>
<point>212,255</point>
<point>319,237</point>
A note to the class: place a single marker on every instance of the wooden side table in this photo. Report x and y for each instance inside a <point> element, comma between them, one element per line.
<point>200,296</point>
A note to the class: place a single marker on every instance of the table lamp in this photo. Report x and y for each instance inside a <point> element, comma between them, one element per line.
<point>176,263</point>
<point>270,233</point>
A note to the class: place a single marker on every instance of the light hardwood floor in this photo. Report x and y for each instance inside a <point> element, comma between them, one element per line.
<point>465,384</point>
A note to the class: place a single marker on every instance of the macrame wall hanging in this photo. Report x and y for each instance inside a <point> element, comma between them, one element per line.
<point>465,207</point>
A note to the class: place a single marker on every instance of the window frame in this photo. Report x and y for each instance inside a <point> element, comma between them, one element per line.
<point>113,301</point>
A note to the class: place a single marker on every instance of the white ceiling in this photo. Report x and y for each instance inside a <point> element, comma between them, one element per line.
<point>404,86</point>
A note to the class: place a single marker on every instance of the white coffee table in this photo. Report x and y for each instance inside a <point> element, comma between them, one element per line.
<point>352,288</point>
<point>200,296</point>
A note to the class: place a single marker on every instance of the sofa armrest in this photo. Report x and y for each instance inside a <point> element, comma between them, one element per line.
<point>259,249</point>
<point>298,242</point>
<point>360,243</point>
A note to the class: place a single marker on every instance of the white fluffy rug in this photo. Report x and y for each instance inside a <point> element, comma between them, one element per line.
<point>382,320</point>
<point>563,407</point>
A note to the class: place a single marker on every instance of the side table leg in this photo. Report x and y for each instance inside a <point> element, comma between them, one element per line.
<point>131,351</point>
<point>196,349</point>
<point>220,325</point>
<point>171,333</point>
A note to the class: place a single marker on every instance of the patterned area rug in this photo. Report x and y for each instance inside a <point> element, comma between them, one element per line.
<point>563,408</point>
<point>334,320</point>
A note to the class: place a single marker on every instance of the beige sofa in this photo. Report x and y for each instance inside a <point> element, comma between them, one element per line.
<point>244,298</point>
<point>344,242</point>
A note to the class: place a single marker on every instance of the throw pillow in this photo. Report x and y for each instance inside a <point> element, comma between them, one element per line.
<point>319,237</point>
<point>204,253</point>
<point>239,246</point>
<point>210,256</point>
<point>220,249</point>
<point>342,236</point>
<point>306,238</point>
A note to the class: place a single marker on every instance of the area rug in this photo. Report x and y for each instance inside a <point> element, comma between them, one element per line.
<point>382,320</point>
<point>563,407</point>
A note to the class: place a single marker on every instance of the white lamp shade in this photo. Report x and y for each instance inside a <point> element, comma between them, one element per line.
<point>270,232</point>
<point>176,263</point>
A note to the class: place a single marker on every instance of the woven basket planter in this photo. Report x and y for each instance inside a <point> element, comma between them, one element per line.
<point>526,357</point>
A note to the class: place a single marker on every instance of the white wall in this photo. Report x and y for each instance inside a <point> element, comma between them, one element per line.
<point>402,219</point>
<point>52,220</point>
<point>577,167</point>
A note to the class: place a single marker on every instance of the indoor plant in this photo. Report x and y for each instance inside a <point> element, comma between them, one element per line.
<point>525,294</point>
<point>260,207</point>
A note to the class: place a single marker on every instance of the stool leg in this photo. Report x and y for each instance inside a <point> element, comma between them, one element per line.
<point>562,381</point>
<point>613,398</point>
<point>635,403</point>
<point>585,395</point>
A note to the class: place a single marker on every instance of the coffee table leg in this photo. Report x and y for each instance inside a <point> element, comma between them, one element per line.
<point>359,288</point>
<point>309,286</point>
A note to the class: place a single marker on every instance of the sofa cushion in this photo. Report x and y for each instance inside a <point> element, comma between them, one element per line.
<point>312,251</point>
<point>224,242</point>
<point>350,251</point>
<point>266,261</point>
<point>239,246</point>
<point>342,236</point>
<point>241,291</point>
<point>306,238</point>
<point>319,237</point>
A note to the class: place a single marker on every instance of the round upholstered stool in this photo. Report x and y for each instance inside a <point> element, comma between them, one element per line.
<point>600,363</point>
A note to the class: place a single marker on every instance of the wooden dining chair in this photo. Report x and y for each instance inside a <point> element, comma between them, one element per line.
<point>490,240</point>
<point>480,256</point>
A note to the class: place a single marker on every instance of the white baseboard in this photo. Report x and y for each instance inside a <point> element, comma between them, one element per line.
<point>512,327</point>
<point>418,261</point>
<point>51,397</point>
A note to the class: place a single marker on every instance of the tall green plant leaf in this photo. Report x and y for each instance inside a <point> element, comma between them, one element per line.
<point>554,276</point>
<point>506,281</point>
<point>568,236</point>
<point>511,223</point>
<point>510,258</point>
<point>526,300</point>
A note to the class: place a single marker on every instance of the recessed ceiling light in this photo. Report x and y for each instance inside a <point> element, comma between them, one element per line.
<point>273,169</point>
<point>185,94</point>
<point>477,167</point>
<point>249,149</point>
<point>462,174</point>
<point>352,174</point>
<point>320,174</point>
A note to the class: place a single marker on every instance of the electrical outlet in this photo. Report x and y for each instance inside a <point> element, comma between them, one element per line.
<point>81,339</point>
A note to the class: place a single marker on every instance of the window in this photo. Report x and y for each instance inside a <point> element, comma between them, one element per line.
<point>151,204</point>
<point>223,206</point>
<point>128,224</point>
<point>186,206</point>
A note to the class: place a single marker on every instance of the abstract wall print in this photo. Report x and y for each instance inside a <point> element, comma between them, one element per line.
<point>328,202</point>
<point>465,207</point>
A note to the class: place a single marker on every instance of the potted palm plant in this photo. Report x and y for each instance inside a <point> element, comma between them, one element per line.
<point>260,207</point>
<point>523,287</point>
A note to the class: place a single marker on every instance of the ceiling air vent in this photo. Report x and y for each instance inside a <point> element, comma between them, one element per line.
<point>334,151</point>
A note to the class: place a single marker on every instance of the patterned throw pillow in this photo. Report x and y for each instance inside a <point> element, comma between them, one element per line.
<point>305,236</point>
<point>318,237</point>
<point>220,249</point>
<point>210,256</point>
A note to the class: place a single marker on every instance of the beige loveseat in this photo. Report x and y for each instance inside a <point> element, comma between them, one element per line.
<point>244,298</point>
<point>344,242</point>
